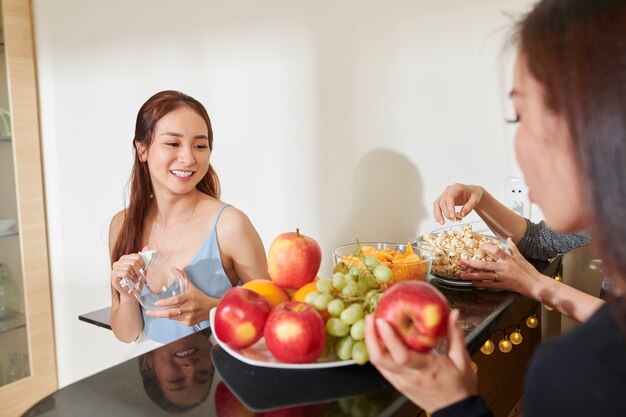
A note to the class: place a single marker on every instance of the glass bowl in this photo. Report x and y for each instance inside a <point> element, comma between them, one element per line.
<point>454,243</point>
<point>392,255</point>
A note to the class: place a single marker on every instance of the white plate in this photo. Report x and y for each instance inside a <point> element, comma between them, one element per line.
<point>259,355</point>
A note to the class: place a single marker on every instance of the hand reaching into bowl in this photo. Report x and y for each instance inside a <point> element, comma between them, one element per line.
<point>510,272</point>
<point>467,196</point>
<point>514,273</point>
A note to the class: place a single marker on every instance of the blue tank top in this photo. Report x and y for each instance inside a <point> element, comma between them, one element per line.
<point>205,271</point>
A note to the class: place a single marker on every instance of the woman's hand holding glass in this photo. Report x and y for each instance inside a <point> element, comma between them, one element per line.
<point>128,270</point>
<point>430,380</point>
<point>189,308</point>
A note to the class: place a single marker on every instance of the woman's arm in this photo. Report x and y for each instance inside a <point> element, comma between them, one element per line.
<point>126,319</point>
<point>512,272</point>
<point>500,219</point>
<point>243,258</point>
<point>241,243</point>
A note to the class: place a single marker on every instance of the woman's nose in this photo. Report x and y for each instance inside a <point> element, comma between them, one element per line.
<point>185,155</point>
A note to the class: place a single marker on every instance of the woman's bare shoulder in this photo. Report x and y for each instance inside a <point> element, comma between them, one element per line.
<point>116,225</point>
<point>233,220</point>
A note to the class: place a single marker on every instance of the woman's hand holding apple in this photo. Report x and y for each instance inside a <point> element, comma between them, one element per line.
<point>432,381</point>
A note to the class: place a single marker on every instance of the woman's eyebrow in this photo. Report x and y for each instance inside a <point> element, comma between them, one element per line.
<point>180,135</point>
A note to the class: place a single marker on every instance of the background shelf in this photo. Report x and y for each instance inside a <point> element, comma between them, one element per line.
<point>15,322</point>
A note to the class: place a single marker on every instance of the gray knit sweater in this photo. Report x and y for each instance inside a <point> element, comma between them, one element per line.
<point>539,242</point>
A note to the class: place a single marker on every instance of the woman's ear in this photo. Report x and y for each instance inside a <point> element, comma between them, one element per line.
<point>147,364</point>
<point>141,151</point>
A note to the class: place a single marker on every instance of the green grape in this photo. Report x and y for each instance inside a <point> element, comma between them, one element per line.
<point>335,307</point>
<point>352,314</point>
<point>310,297</point>
<point>371,261</point>
<point>359,352</point>
<point>344,348</point>
<point>357,331</point>
<point>382,273</point>
<point>329,347</point>
<point>322,300</point>
<point>362,286</point>
<point>356,271</point>
<point>370,295</point>
<point>336,327</point>
<point>350,289</point>
<point>339,280</point>
<point>341,267</point>
<point>371,281</point>
<point>324,285</point>
<point>373,302</point>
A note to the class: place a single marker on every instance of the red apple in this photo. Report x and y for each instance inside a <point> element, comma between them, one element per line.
<point>240,317</point>
<point>295,333</point>
<point>293,260</point>
<point>227,405</point>
<point>417,312</point>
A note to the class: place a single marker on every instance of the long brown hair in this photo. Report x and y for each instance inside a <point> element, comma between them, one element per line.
<point>577,50</point>
<point>129,239</point>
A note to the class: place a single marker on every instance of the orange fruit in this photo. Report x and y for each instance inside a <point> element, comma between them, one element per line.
<point>303,291</point>
<point>272,293</point>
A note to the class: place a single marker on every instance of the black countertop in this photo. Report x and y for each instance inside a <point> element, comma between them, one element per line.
<point>209,382</point>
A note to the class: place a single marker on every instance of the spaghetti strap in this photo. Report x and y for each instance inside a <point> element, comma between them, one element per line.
<point>219,213</point>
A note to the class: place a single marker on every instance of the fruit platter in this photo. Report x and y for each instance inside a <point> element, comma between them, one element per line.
<point>298,320</point>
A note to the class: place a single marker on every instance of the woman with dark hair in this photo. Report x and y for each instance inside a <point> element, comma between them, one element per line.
<point>174,208</point>
<point>179,376</point>
<point>569,92</point>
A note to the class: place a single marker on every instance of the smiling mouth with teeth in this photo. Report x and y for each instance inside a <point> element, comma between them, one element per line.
<point>182,174</point>
<point>185,353</point>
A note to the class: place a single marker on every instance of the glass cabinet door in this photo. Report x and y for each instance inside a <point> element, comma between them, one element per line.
<point>27,349</point>
<point>14,358</point>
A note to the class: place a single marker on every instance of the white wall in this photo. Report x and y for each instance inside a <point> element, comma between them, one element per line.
<point>344,118</point>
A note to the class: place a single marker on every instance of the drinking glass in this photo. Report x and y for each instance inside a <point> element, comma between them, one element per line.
<point>158,281</point>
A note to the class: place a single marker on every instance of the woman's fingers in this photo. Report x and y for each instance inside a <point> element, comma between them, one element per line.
<point>471,203</point>
<point>437,214</point>
<point>171,301</point>
<point>374,348</point>
<point>494,250</point>
<point>395,346</point>
<point>167,313</point>
<point>456,341</point>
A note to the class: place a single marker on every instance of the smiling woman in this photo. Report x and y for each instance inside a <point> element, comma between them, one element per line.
<point>175,209</point>
<point>179,376</point>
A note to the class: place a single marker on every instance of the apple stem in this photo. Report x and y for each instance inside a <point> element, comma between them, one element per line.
<point>298,232</point>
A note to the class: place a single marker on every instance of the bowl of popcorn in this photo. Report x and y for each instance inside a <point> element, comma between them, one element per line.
<point>452,244</point>
<point>406,261</point>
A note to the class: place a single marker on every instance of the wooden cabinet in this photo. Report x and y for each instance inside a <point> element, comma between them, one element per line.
<point>28,335</point>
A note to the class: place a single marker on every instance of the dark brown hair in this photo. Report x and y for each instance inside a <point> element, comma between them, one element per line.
<point>153,110</point>
<point>577,50</point>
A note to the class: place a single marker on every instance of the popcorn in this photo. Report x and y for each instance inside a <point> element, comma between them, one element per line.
<point>451,246</point>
